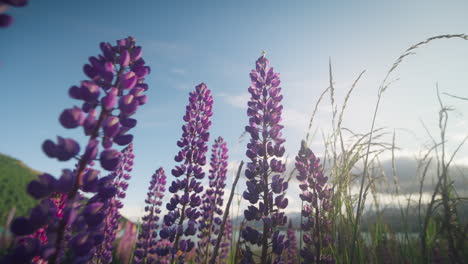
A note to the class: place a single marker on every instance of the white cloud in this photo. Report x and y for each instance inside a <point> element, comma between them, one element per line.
<point>134,213</point>
<point>457,137</point>
<point>296,119</point>
<point>182,86</point>
<point>170,50</point>
<point>392,200</point>
<point>147,117</point>
<point>292,118</point>
<point>178,71</point>
<point>238,101</point>
<point>461,161</point>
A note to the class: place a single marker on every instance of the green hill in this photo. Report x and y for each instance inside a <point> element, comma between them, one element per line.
<point>14,176</point>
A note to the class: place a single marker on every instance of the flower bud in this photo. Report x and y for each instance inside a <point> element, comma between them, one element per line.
<point>110,159</point>
<point>72,117</point>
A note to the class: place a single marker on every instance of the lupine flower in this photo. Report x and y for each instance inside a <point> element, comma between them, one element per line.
<point>316,197</point>
<point>41,233</point>
<point>5,19</point>
<point>265,184</point>
<point>126,242</point>
<point>291,252</point>
<point>112,206</point>
<point>212,206</point>
<point>109,98</point>
<point>146,245</point>
<point>181,220</point>
<point>162,245</point>
<point>226,243</point>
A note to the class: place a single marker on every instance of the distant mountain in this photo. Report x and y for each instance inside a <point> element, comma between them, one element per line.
<point>295,218</point>
<point>14,177</point>
<point>390,216</point>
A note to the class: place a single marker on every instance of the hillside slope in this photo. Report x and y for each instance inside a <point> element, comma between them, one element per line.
<point>14,177</point>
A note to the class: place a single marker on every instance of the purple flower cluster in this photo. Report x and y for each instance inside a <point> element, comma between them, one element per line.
<point>41,234</point>
<point>226,243</point>
<point>291,253</point>
<point>109,98</point>
<point>119,179</point>
<point>163,245</point>
<point>186,188</point>
<point>5,19</point>
<point>265,184</point>
<point>316,197</point>
<point>146,245</point>
<point>99,219</point>
<point>211,208</point>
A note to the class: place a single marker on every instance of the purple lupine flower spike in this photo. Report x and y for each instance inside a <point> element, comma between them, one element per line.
<point>225,246</point>
<point>162,246</point>
<point>183,207</point>
<point>291,253</point>
<point>212,206</point>
<point>316,196</point>
<point>41,233</point>
<point>118,179</point>
<point>146,244</point>
<point>265,184</point>
<point>109,99</point>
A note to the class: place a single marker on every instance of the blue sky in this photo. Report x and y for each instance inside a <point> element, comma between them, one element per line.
<point>217,42</point>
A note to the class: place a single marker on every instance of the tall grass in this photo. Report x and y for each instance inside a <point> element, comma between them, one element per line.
<point>353,162</point>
